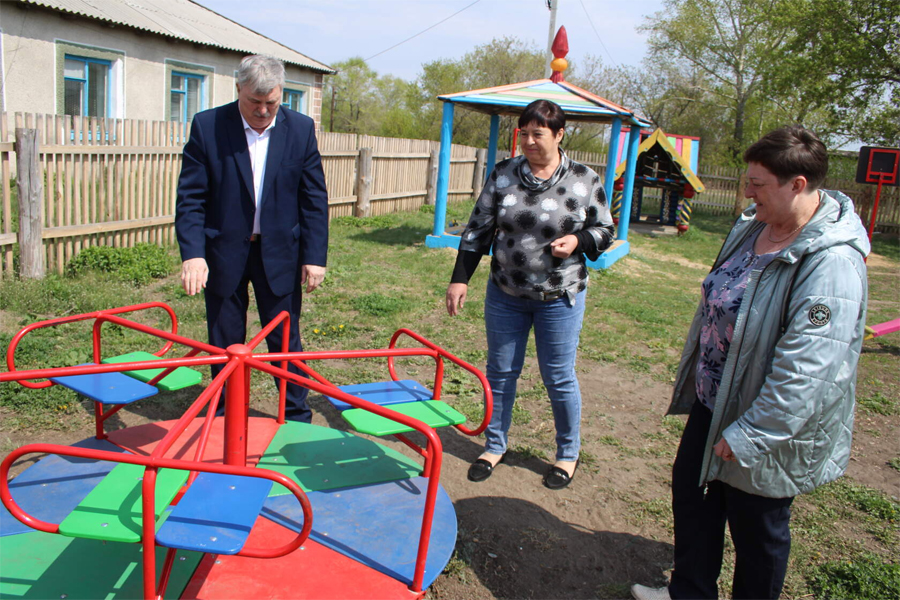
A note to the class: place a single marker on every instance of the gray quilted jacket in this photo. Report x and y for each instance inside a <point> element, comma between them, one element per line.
<point>786,401</point>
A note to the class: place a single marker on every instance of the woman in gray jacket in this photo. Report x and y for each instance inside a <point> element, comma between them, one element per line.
<point>768,373</point>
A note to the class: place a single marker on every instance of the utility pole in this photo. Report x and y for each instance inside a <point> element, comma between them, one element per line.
<point>552,5</point>
<point>331,120</point>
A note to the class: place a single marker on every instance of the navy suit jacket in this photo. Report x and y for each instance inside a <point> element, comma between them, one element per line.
<point>215,206</point>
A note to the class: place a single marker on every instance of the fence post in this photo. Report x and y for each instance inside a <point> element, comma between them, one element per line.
<point>363,182</point>
<point>478,175</point>
<point>740,203</point>
<point>431,178</point>
<point>29,183</point>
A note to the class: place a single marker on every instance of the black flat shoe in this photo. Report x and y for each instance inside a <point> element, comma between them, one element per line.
<point>556,478</point>
<point>481,469</point>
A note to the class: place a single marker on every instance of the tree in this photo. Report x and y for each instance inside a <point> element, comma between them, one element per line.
<point>727,44</point>
<point>349,98</point>
<point>843,59</point>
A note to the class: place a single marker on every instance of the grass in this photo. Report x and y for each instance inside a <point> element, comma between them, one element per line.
<point>381,277</point>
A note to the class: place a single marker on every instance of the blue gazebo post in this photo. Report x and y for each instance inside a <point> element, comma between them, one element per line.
<point>492,146</point>
<point>443,178</point>
<point>611,157</point>
<point>634,142</point>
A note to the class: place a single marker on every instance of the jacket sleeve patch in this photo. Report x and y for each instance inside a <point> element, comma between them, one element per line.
<point>819,315</point>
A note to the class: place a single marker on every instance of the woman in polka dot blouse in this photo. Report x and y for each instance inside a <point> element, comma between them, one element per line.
<point>540,214</point>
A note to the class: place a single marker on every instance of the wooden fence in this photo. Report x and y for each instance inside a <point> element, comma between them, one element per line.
<point>113,182</point>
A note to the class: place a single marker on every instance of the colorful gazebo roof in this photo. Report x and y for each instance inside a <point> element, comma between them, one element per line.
<point>578,104</point>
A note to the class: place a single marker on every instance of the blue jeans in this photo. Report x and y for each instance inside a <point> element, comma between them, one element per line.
<point>557,326</point>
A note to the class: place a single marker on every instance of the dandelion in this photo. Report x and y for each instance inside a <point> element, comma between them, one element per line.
<point>315,331</point>
<point>340,326</point>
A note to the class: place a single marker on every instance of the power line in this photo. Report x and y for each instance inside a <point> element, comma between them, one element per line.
<point>423,31</point>
<point>597,34</point>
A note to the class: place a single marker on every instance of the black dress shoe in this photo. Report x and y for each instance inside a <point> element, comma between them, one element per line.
<point>556,478</point>
<point>481,469</point>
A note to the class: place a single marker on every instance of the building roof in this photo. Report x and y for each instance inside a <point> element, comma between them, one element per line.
<point>183,20</point>
<point>659,138</point>
<point>578,104</point>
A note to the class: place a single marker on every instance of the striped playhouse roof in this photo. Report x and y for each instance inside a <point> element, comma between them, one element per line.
<point>578,104</point>
<point>683,160</point>
<point>184,20</point>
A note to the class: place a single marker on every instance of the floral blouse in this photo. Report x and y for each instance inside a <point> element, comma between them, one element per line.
<point>518,215</point>
<point>722,293</point>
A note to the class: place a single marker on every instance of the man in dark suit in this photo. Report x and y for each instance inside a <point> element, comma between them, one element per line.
<point>252,208</point>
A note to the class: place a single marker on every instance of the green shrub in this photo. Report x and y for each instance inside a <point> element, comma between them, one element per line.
<point>138,265</point>
<point>866,577</point>
<point>379,305</point>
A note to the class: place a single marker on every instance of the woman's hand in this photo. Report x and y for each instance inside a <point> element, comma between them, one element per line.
<point>564,247</point>
<point>723,450</point>
<point>456,297</point>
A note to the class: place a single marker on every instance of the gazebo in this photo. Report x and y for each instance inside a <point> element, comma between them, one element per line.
<point>578,105</point>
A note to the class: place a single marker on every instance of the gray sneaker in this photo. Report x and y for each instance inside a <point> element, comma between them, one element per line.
<point>642,592</point>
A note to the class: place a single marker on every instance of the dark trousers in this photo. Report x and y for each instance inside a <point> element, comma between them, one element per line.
<point>759,527</point>
<point>226,321</point>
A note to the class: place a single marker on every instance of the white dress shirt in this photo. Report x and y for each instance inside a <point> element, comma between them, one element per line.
<point>258,143</point>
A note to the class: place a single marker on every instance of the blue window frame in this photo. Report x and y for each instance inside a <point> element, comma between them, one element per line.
<point>186,96</point>
<point>86,83</point>
<point>293,99</point>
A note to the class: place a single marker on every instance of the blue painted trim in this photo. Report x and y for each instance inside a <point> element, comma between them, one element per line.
<point>492,146</point>
<point>444,240</point>
<point>611,158</point>
<point>608,258</point>
<point>634,141</point>
<point>443,179</point>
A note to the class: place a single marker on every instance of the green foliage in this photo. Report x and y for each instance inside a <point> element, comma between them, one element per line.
<point>880,404</point>
<point>138,265</point>
<point>379,305</point>
<point>378,221</point>
<point>868,576</point>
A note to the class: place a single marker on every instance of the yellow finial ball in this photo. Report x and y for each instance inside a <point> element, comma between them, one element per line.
<point>559,64</point>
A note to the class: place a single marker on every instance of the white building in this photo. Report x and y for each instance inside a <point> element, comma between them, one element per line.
<point>128,59</point>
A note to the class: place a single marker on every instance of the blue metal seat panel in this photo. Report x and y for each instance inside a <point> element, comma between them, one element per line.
<point>216,514</point>
<point>51,488</point>
<point>384,393</point>
<point>377,525</point>
<point>108,388</point>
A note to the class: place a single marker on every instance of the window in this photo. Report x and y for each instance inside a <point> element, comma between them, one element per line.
<point>293,99</point>
<point>186,96</point>
<point>87,90</point>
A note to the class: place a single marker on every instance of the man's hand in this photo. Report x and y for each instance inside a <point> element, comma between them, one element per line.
<point>312,276</point>
<point>723,450</point>
<point>456,297</point>
<point>194,273</point>
<point>564,246</point>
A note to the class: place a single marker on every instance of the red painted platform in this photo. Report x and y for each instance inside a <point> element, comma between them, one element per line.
<point>143,439</point>
<point>313,572</point>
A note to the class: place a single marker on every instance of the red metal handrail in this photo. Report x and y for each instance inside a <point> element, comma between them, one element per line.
<point>488,394</point>
<point>13,344</point>
<point>148,500</point>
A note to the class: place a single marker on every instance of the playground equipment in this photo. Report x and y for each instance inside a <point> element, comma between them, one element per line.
<point>879,166</point>
<point>667,162</point>
<point>510,100</point>
<point>233,506</point>
<point>882,328</point>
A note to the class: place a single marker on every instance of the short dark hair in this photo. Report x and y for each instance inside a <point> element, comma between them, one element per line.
<point>544,113</point>
<point>790,151</point>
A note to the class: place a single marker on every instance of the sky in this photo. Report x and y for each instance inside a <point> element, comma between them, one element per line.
<point>333,30</point>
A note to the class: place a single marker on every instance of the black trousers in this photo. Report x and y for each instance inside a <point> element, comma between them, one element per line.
<point>226,322</point>
<point>759,527</point>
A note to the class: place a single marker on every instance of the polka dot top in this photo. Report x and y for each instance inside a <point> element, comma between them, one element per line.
<point>517,216</point>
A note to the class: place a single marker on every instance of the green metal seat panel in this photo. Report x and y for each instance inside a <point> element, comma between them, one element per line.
<point>181,377</point>
<point>431,412</point>
<point>112,511</point>
<point>45,565</point>
<point>320,458</point>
